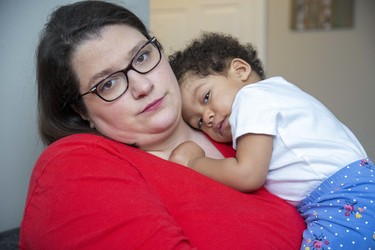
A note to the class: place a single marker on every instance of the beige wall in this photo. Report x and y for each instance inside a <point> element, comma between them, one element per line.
<point>337,66</point>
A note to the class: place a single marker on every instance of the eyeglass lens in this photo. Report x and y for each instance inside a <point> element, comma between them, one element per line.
<point>115,85</point>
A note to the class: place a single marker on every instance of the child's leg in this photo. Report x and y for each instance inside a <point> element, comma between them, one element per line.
<point>340,213</point>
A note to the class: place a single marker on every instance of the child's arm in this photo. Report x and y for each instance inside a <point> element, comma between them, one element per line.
<point>246,173</point>
<point>185,152</point>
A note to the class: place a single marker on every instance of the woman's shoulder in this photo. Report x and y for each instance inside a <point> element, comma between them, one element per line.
<point>80,141</point>
<point>86,143</point>
<point>76,153</point>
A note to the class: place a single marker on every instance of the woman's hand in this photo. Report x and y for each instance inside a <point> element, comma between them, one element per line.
<point>186,152</point>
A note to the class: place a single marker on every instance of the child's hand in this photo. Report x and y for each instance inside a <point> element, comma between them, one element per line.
<point>186,152</point>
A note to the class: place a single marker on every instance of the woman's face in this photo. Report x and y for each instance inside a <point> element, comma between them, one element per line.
<point>150,109</point>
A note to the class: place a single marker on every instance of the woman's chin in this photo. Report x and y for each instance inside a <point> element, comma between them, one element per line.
<point>165,123</point>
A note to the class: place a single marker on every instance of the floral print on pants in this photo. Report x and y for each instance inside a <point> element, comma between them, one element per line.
<point>340,213</point>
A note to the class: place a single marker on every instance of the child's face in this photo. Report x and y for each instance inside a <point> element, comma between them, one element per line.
<point>207,103</point>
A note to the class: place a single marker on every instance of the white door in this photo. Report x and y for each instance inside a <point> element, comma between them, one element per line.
<point>175,22</point>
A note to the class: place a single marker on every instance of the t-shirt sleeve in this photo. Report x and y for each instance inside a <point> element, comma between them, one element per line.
<point>253,111</point>
<point>93,207</point>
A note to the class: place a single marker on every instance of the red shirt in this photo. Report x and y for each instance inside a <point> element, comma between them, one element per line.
<point>89,192</point>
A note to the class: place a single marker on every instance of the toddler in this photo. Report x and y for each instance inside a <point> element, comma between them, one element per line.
<point>285,139</point>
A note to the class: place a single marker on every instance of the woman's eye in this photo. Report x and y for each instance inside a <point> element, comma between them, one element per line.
<point>107,85</point>
<point>200,123</point>
<point>142,57</point>
<point>206,97</point>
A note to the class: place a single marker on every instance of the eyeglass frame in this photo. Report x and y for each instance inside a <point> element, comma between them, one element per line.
<point>125,71</point>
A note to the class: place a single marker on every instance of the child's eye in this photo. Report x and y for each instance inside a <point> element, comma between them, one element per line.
<point>200,123</point>
<point>206,97</point>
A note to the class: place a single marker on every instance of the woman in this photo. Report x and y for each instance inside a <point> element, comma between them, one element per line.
<point>103,85</point>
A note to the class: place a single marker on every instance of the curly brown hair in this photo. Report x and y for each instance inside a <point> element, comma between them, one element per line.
<point>211,53</point>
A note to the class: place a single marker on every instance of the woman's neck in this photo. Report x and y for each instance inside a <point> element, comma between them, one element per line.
<point>179,135</point>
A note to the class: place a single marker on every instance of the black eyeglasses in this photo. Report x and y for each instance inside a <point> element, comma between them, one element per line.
<point>116,84</point>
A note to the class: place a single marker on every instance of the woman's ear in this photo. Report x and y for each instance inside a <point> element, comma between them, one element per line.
<point>241,69</point>
<point>82,115</point>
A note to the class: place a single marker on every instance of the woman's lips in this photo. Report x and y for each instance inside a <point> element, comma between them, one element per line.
<point>153,105</point>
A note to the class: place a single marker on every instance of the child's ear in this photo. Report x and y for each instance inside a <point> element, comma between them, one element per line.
<point>241,69</point>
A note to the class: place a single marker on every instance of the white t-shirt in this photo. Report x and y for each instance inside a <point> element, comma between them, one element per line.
<point>310,143</point>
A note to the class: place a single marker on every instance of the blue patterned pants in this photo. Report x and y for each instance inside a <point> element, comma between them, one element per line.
<point>340,213</point>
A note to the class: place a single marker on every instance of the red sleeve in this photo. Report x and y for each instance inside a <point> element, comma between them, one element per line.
<point>81,198</point>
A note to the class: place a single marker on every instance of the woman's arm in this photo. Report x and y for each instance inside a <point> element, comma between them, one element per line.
<point>246,172</point>
<point>88,198</point>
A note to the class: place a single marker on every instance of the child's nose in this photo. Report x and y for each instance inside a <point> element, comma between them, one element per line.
<point>208,118</point>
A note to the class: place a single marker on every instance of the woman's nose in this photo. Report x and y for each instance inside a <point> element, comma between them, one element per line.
<point>139,85</point>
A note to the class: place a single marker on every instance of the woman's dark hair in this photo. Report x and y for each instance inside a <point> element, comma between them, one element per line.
<point>58,87</point>
<point>211,53</point>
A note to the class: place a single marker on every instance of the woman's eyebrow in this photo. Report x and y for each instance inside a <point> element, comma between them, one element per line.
<point>95,79</point>
<point>136,48</point>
